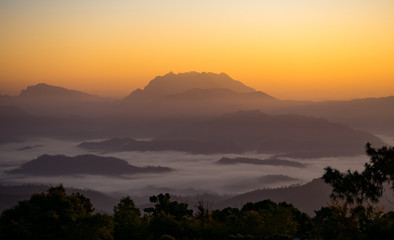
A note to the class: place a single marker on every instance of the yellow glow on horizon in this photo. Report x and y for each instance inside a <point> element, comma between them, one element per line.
<point>290,49</point>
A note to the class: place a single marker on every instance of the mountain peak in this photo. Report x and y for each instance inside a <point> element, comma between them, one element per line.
<point>172,83</point>
<point>170,74</point>
<point>45,92</point>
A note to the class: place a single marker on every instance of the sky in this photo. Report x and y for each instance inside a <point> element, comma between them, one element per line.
<point>290,49</point>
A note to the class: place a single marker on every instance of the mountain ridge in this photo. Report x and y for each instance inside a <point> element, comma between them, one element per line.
<point>41,90</point>
<point>154,111</point>
<point>55,165</point>
<point>266,133</point>
<point>172,83</point>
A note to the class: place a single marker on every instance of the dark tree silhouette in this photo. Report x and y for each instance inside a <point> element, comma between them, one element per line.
<point>54,215</point>
<point>163,204</point>
<point>127,220</point>
<point>352,214</point>
<point>168,217</point>
<point>357,187</point>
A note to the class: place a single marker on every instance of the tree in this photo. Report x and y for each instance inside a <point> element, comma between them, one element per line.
<point>342,221</point>
<point>356,187</point>
<point>168,217</point>
<point>95,227</point>
<point>52,215</point>
<point>127,220</point>
<point>352,214</point>
<point>278,218</point>
<point>203,213</point>
<point>164,204</point>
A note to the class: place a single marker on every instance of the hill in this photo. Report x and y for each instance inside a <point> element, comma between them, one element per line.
<point>17,124</point>
<point>255,161</point>
<point>254,130</point>
<point>174,100</point>
<point>370,114</point>
<point>57,165</point>
<point>308,197</point>
<point>190,146</point>
<point>55,101</point>
<point>42,92</point>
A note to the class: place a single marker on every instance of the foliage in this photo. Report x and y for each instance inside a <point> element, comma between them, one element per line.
<point>56,215</point>
<point>163,204</point>
<point>168,217</point>
<point>51,215</point>
<point>352,214</point>
<point>356,187</point>
<point>95,227</point>
<point>127,220</point>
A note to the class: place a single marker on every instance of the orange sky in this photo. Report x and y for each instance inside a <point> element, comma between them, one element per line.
<point>291,49</point>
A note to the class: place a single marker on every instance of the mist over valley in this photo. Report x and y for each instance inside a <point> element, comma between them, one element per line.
<point>189,134</point>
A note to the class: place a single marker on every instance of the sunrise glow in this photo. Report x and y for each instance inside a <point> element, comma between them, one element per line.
<point>302,49</point>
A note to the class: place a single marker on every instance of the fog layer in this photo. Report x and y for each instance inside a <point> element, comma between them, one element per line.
<point>192,173</point>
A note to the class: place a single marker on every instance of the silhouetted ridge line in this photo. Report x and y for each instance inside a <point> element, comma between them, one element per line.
<point>54,165</point>
<point>190,146</point>
<point>271,161</point>
<point>178,83</point>
<point>278,134</point>
<point>44,91</point>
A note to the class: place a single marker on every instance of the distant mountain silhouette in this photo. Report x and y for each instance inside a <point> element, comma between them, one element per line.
<point>190,146</point>
<point>292,136</point>
<point>254,130</point>
<point>30,147</point>
<point>178,83</point>
<point>308,197</point>
<point>5,100</point>
<point>370,114</point>
<point>192,95</point>
<point>172,101</point>
<point>17,124</point>
<point>217,94</point>
<point>271,161</point>
<point>243,185</point>
<point>13,112</point>
<point>56,165</point>
<point>42,92</point>
<point>53,100</point>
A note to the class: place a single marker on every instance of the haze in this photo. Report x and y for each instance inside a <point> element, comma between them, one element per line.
<point>190,176</point>
<point>302,49</point>
<point>223,98</point>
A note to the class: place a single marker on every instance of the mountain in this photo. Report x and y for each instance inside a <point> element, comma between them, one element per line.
<point>43,92</point>
<point>255,161</point>
<point>291,136</point>
<point>57,165</point>
<point>189,146</point>
<point>276,134</point>
<point>218,94</point>
<point>308,197</point>
<point>214,101</point>
<point>174,100</point>
<point>205,95</point>
<point>17,124</point>
<point>190,95</point>
<point>53,100</point>
<point>371,114</point>
<point>178,83</point>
